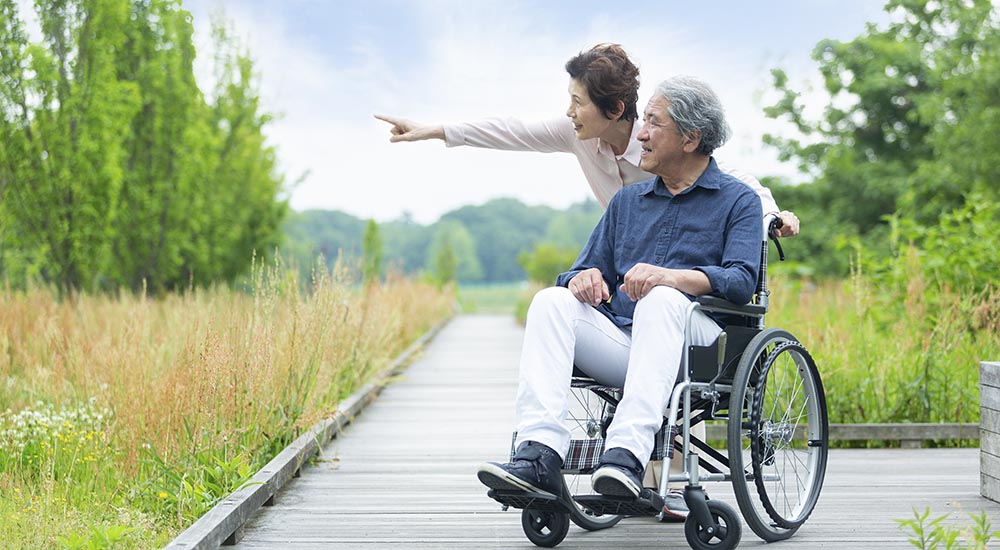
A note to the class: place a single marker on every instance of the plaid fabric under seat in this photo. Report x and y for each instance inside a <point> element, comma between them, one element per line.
<point>584,454</point>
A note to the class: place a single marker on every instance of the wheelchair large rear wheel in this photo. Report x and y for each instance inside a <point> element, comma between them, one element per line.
<point>589,416</point>
<point>778,449</point>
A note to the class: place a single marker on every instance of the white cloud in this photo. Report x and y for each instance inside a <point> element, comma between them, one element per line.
<point>466,61</point>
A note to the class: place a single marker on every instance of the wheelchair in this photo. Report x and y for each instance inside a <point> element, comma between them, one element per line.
<point>761,382</point>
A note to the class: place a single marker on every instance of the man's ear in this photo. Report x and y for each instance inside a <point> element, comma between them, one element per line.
<point>692,141</point>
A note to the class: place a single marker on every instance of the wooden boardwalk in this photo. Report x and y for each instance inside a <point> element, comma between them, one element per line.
<point>403,474</point>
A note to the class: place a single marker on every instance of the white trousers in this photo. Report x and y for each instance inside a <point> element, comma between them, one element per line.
<point>561,330</point>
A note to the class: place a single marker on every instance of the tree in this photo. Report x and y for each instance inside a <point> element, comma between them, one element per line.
<point>371,266</point>
<point>452,240</point>
<point>443,263</point>
<point>502,228</point>
<point>913,122</point>
<point>64,173</point>
<point>547,261</point>
<point>114,169</point>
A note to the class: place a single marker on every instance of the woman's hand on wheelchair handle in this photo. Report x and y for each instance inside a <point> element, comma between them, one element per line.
<point>589,287</point>
<point>789,224</point>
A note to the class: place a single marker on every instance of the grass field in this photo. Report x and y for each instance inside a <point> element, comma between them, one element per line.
<point>495,298</point>
<point>126,418</point>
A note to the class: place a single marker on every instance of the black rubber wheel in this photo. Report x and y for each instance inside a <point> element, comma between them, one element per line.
<point>778,448</point>
<point>587,520</point>
<point>546,529</point>
<point>723,534</point>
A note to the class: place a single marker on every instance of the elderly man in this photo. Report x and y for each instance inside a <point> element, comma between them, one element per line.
<point>619,314</point>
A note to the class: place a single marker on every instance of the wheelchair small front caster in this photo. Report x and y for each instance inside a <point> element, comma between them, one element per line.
<point>723,534</point>
<point>545,528</point>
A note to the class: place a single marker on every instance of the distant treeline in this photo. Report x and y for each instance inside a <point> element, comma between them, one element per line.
<point>116,170</point>
<point>486,240</point>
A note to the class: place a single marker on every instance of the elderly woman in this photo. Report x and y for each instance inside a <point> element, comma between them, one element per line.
<point>599,128</point>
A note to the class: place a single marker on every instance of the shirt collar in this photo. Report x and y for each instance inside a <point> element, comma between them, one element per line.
<point>711,178</point>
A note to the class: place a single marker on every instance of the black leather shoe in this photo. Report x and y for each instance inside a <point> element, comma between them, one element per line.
<point>535,468</point>
<point>618,474</point>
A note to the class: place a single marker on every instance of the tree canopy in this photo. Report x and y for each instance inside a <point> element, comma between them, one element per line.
<point>911,130</point>
<point>115,169</point>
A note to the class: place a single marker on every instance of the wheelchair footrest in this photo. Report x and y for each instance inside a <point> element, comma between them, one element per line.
<point>649,503</point>
<point>529,500</point>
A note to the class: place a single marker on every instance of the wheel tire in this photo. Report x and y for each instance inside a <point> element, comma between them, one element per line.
<point>589,415</point>
<point>543,528</point>
<point>783,423</point>
<point>728,533</point>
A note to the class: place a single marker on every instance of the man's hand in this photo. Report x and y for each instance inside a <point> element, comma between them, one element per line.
<point>407,130</point>
<point>643,277</point>
<point>589,287</point>
<point>789,224</point>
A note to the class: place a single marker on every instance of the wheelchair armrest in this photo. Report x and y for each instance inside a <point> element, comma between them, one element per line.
<point>718,305</point>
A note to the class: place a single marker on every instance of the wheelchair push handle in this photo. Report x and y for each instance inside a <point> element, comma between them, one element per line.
<point>772,233</point>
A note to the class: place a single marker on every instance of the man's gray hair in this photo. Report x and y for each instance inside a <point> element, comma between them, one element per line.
<point>694,107</point>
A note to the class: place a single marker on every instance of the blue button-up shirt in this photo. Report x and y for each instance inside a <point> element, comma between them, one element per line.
<point>714,226</point>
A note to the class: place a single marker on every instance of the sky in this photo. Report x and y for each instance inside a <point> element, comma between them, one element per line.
<point>327,66</point>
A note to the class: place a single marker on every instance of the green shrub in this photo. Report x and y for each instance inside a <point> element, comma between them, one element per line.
<point>546,261</point>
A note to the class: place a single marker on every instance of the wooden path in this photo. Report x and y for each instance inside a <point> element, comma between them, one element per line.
<point>403,474</point>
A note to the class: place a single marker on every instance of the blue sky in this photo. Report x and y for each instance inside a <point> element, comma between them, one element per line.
<point>327,66</point>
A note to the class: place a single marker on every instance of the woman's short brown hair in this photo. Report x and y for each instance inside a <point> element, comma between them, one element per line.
<point>610,77</point>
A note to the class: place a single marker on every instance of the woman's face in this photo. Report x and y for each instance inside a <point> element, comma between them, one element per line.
<point>587,118</point>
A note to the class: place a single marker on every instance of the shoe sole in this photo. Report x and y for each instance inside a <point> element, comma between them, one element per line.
<point>614,482</point>
<point>670,514</point>
<point>495,477</point>
<point>673,515</point>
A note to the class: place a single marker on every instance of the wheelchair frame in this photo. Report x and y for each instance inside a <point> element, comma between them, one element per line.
<point>748,384</point>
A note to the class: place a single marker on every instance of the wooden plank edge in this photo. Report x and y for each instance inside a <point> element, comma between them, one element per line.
<point>860,432</point>
<point>227,518</point>
<point>989,373</point>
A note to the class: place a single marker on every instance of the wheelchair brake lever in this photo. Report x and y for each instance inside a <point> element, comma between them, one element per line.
<point>772,233</point>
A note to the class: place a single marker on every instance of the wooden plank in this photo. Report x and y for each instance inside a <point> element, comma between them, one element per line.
<point>989,487</point>
<point>859,432</point>
<point>989,397</point>
<point>989,420</point>
<point>989,442</point>
<point>403,474</point>
<point>989,374</point>
<point>989,464</point>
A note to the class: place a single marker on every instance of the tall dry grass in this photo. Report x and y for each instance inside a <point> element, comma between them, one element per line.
<point>201,388</point>
<point>892,356</point>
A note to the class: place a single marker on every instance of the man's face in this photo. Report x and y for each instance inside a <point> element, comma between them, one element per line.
<point>662,144</point>
<point>588,120</point>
